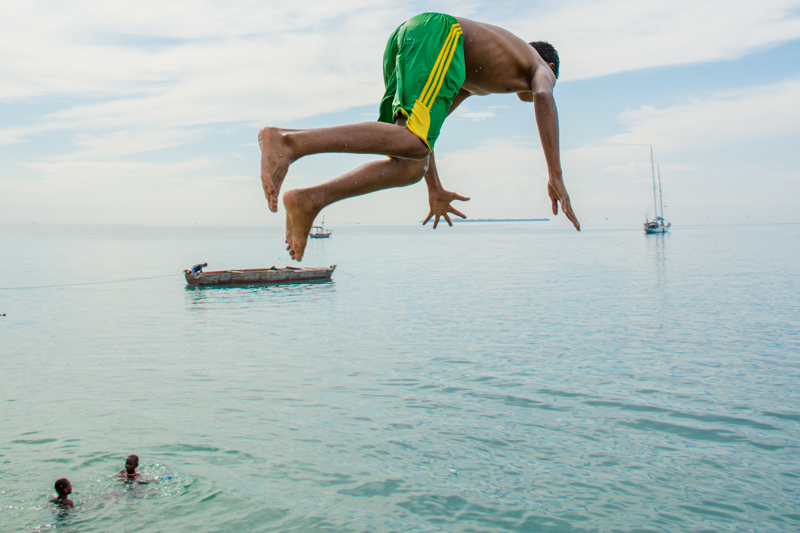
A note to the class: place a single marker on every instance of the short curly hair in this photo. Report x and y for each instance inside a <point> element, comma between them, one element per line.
<point>548,53</point>
<point>61,486</point>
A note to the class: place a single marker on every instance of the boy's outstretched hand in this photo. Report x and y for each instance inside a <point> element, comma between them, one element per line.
<point>440,206</point>
<point>558,193</point>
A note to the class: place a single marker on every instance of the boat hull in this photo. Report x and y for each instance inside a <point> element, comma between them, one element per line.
<point>655,230</point>
<point>259,276</point>
<point>656,227</point>
<point>319,232</point>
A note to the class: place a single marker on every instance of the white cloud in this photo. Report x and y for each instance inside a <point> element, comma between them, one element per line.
<point>13,135</point>
<point>715,154</point>
<point>601,37</point>
<point>640,167</point>
<point>121,143</point>
<point>183,64</point>
<point>143,76</point>
<point>119,192</point>
<point>705,149</point>
<point>727,118</point>
<point>87,48</point>
<point>506,178</point>
<point>477,116</point>
<point>92,172</point>
<point>189,63</point>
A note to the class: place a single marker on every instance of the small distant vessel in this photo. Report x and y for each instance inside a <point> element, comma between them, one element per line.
<point>658,224</point>
<point>259,276</point>
<point>319,232</point>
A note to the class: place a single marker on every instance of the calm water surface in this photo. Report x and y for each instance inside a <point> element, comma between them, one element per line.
<point>486,377</point>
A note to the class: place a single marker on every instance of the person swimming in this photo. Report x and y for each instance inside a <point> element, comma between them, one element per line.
<point>63,489</point>
<point>129,473</point>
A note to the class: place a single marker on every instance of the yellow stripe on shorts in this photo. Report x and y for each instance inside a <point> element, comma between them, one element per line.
<point>446,66</point>
<point>440,67</point>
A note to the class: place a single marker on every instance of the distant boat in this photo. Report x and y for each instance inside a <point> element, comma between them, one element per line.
<point>259,276</point>
<point>658,224</point>
<point>501,219</point>
<point>319,232</point>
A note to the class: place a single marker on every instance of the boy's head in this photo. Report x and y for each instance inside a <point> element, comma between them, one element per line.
<point>131,463</point>
<point>548,53</point>
<point>63,487</point>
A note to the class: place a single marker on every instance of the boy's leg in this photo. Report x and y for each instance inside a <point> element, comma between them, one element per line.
<point>279,148</point>
<point>303,205</point>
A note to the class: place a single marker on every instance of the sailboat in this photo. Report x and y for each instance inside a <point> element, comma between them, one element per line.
<point>658,224</point>
<point>319,232</point>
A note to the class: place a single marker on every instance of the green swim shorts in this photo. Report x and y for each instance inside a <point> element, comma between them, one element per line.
<point>423,70</point>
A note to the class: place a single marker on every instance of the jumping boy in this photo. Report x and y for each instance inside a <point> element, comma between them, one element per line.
<point>63,489</point>
<point>432,63</point>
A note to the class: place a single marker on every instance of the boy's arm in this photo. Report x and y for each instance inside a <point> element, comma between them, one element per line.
<point>544,106</point>
<point>438,198</point>
<point>462,95</point>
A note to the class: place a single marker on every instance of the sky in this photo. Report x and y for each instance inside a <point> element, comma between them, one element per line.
<point>147,112</point>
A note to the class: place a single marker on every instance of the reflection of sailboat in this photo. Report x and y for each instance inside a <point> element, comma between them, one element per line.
<point>319,232</point>
<point>658,224</point>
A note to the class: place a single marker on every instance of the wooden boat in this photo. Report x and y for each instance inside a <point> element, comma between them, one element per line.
<point>319,232</point>
<point>259,276</point>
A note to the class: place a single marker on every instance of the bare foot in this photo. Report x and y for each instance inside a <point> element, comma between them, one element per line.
<point>289,228</point>
<point>275,160</point>
<point>300,213</point>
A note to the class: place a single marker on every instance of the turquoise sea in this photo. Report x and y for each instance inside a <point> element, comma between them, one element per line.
<point>486,377</point>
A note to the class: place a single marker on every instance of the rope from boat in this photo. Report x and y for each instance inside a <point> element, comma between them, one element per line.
<point>87,283</point>
<point>343,272</point>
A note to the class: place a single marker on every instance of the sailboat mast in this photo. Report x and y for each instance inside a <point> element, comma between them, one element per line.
<point>660,198</point>
<point>653,170</point>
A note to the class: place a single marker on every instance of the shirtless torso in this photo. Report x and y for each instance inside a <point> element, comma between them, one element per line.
<point>495,60</point>
<point>63,501</point>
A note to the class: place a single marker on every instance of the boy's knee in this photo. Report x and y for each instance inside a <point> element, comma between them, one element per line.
<point>414,169</point>
<point>420,151</point>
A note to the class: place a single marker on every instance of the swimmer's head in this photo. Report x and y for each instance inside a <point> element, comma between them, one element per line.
<point>548,53</point>
<point>63,487</point>
<point>131,463</point>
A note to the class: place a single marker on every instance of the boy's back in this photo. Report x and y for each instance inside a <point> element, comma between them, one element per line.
<point>497,61</point>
